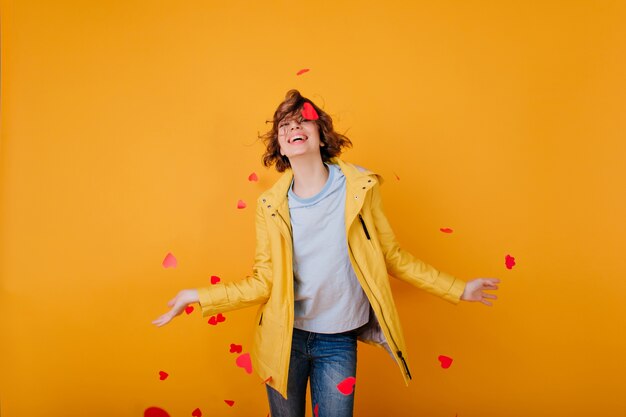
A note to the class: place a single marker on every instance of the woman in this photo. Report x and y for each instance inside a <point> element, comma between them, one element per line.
<point>323,255</point>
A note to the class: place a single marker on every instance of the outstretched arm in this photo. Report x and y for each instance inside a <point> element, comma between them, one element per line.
<point>251,290</point>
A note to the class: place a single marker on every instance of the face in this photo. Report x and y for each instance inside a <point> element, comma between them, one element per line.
<point>297,136</point>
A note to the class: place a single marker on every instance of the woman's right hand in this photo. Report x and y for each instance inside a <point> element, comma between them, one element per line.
<point>177,304</point>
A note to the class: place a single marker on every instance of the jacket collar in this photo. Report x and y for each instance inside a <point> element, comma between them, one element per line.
<point>358,182</point>
<point>355,177</point>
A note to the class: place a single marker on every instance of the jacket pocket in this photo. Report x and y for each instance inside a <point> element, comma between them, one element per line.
<point>269,341</point>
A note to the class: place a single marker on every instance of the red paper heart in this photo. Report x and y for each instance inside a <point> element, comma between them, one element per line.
<point>308,112</point>
<point>155,412</point>
<point>445,361</point>
<point>243,361</point>
<point>446,230</point>
<point>229,402</point>
<point>509,261</point>
<point>163,375</point>
<point>169,261</point>
<point>302,71</point>
<point>197,413</point>
<point>189,309</point>
<point>253,177</point>
<point>316,410</point>
<point>214,320</point>
<point>215,279</point>
<point>241,204</point>
<point>235,348</point>
<point>346,387</point>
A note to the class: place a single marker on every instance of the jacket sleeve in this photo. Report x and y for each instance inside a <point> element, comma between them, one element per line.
<point>245,292</point>
<point>402,265</point>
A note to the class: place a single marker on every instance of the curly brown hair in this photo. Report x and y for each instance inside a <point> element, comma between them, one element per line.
<point>291,107</point>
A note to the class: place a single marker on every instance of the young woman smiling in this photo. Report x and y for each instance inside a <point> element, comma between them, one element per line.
<point>324,254</point>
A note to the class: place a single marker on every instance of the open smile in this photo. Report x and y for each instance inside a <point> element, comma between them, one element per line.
<point>297,139</point>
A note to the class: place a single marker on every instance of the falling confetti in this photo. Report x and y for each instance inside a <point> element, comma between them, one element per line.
<point>346,387</point>
<point>268,379</point>
<point>509,261</point>
<point>398,178</point>
<point>308,112</point>
<point>197,413</point>
<point>445,361</point>
<point>229,402</point>
<point>169,261</point>
<point>446,230</point>
<point>253,177</point>
<point>241,204</point>
<point>243,361</point>
<point>215,279</point>
<point>189,309</point>
<point>302,71</point>
<point>235,348</point>
<point>155,412</point>
<point>316,410</point>
<point>163,375</point>
<point>214,320</point>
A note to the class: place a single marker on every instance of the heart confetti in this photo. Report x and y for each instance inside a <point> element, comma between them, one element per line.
<point>268,379</point>
<point>241,204</point>
<point>214,320</point>
<point>445,361</point>
<point>346,387</point>
<point>196,413</point>
<point>215,279</point>
<point>169,261</point>
<point>308,112</point>
<point>509,261</point>
<point>316,410</point>
<point>189,309</point>
<point>235,348</point>
<point>398,178</point>
<point>446,230</point>
<point>229,402</point>
<point>243,361</point>
<point>302,71</point>
<point>155,412</point>
<point>253,177</point>
<point>163,375</point>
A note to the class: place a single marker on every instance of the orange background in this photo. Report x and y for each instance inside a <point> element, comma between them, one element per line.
<point>129,129</point>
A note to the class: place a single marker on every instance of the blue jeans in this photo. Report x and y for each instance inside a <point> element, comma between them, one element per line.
<point>327,359</point>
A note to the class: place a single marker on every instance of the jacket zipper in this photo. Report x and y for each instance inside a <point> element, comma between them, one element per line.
<point>367,234</point>
<point>398,352</point>
<point>406,367</point>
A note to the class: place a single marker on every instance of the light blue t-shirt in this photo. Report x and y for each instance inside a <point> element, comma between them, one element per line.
<point>328,296</point>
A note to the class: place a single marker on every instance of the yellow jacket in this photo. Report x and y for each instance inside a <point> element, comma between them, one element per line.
<point>374,253</point>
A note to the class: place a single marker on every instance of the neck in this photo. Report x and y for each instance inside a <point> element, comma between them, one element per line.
<point>309,176</point>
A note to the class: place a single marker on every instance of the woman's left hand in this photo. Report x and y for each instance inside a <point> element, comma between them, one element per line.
<point>474,290</point>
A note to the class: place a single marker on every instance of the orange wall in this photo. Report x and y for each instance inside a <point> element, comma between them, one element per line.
<point>129,129</point>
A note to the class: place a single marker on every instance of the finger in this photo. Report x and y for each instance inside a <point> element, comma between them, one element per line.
<point>487,303</point>
<point>492,296</point>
